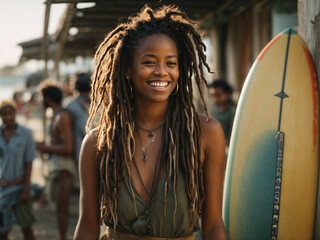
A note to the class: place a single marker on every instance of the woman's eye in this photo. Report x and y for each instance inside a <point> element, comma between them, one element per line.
<point>172,63</point>
<point>148,62</point>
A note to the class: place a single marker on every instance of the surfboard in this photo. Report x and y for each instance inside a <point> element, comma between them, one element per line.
<point>272,167</point>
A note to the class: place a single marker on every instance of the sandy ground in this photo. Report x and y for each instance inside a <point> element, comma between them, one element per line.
<point>45,227</point>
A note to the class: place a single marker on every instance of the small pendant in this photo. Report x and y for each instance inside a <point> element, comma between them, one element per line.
<point>144,156</point>
<point>153,139</point>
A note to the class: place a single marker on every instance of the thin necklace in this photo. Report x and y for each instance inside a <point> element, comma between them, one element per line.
<point>151,134</point>
<point>150,131</point>
<point>144,156</point>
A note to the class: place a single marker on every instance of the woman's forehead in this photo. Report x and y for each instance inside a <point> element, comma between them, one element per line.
<point>157,42</point>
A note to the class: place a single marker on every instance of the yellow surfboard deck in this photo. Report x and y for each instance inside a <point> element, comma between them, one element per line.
<point>272,168</point>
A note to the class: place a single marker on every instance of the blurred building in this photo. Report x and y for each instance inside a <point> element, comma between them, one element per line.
<point>236,30</point>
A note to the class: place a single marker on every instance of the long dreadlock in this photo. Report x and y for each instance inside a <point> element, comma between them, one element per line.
<point>112,98</point>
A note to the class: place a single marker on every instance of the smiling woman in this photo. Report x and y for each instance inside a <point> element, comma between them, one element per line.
<point>154,167</point>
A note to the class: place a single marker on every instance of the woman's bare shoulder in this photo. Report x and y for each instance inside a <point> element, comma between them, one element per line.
<point>209,125</point>
<point>212,140</point>
<point>90,140</point>
<point>92,135</point>
<point>211,132</point>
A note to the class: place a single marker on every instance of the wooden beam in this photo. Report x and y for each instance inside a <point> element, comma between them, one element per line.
<point>95,16</point>
<point>219,10</point>
<point>45,57</point>
<point>178,2</point>
<point>117,9</point>
<point>95,29</point>
<point>68,15</point>
<point>95,24</point>
<point>120,10</point>
<point>45,37</point>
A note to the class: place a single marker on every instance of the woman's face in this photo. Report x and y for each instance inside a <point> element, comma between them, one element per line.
<point>8,116</point>
<point>154,71</point>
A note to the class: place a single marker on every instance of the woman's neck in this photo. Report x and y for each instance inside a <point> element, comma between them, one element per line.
<point>150,115</point>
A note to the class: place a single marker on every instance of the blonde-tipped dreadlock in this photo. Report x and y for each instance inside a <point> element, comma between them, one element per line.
<point>112,95</point>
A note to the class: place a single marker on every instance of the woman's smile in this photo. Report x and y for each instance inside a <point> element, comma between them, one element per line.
<point>158,84</point>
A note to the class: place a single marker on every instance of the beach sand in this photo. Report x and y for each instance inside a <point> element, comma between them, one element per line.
<point>45,227</point>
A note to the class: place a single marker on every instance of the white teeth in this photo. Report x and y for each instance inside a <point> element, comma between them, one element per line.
<point>159,84</point>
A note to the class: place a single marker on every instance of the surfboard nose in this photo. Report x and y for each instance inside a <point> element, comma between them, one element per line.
<point>289,31</point>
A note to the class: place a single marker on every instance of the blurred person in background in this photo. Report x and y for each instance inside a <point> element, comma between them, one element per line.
<point>17,151</point>
<point>30,106</point>
<point>223,107</point>
<point>79,109</point>
<point>68,89</point>
<point>18,99</point>
<point>61,163</point>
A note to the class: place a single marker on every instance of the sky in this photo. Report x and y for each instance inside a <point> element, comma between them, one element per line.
<point>20,21</point>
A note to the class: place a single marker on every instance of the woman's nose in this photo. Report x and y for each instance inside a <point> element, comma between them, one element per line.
<point>160,70</point>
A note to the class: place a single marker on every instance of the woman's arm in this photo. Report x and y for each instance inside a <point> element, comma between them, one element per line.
<point>88,227</point>
<point>214,168</point>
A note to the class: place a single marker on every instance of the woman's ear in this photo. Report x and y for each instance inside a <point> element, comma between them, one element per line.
<point>128,73</point>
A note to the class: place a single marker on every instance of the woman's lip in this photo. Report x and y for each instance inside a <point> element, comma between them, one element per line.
<point>165,84</point>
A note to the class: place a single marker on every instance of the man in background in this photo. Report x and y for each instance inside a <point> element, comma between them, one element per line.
<point>61,163</point>
<point>223,107</point>
<point>17,151</point>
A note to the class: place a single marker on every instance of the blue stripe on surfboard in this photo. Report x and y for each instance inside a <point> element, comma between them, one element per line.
<point>279,158</point>
<point>233,145</point>
<point>282,94</point>
<point>255,206</point>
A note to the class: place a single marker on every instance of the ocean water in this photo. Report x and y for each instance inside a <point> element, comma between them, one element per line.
<point>10,84</point>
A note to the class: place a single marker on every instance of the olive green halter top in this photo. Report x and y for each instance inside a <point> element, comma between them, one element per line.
<point>153,220</point>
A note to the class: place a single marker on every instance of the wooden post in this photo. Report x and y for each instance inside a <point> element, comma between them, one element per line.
<point>45,38</point>
<point>45,74</point>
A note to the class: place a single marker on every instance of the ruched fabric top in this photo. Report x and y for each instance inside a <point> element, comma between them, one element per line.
<point>152,219</point>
